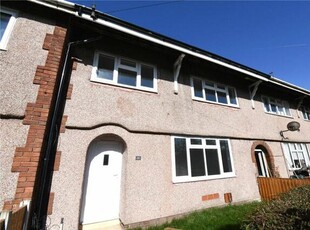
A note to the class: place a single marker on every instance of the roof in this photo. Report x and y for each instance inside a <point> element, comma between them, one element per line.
<point>128,28</point>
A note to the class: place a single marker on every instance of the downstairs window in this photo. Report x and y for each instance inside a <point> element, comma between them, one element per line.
<point>197,159</point>
<point>296,155</point>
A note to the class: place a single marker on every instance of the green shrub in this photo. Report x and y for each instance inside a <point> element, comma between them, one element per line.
<point>290,211</point>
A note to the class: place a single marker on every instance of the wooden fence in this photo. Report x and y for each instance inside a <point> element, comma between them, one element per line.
<point>271,188</point>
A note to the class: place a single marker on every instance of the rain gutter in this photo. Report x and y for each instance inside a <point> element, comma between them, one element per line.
<point>128,28</point>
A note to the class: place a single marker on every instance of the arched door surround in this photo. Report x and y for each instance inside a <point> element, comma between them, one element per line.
<point>261,155</point>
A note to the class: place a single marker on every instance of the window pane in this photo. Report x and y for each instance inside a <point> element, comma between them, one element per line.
<point>5,18</point>
<point>180,157</point>
<point>273,108</point>
<point>210,142</point>
<point>225,156</point>
<point>210,84</point>
<point>196,141</point>
<point>297,163</point>
<point>281,110</point>
<point>128,63</point>
<point>293,146</point>
<point>147,76</point>
<point>197,88</point>
<point>105,67</point>
<point>213,166</point>
<point>221,87</point>
<point>221,97</point>
<point>304,113</point>
<point>232,96</point>
<point>299,146</point>
<point>266,104</point>
<point>197,162</point>
<point>210,95</point>
<point>300,155</point>
<point>127,77</point>
<point>287,111</point>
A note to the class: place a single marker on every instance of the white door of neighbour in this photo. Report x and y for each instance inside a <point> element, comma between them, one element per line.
<point>262,165</point>
<point>103,182</point>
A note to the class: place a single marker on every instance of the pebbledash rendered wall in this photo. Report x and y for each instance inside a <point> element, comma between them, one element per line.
<point>146,122</point>
<point>18,67</point>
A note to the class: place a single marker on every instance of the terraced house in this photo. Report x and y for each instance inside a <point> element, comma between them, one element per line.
<point>103,120</point>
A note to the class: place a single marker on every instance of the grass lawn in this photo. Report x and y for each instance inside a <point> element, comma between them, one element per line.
<point>225,218</point>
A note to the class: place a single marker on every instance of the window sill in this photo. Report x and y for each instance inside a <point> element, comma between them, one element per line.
<point>100,81</point>
<point>3,46</point>
<point>192,180</point>
<point>279,115</point>
<point>216,103</point>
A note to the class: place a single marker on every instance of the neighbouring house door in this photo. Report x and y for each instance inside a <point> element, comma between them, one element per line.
<point>102,182</point>
<point>262,165</point>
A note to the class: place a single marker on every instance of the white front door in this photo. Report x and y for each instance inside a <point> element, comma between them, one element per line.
<point>102,182</point>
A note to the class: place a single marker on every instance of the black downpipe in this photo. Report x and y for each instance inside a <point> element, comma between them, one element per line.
<point>43,185</point>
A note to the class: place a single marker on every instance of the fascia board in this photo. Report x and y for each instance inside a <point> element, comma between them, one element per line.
<point>57,4</point>
<point>53,4</point>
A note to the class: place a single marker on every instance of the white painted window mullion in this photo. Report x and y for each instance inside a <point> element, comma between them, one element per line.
<point>219,156</point>
<point>187,141</point>
<point>139,75</point>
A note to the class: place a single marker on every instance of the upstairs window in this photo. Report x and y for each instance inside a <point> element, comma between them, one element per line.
<point>212,92</point>
<point>8,19</point>
<point>201,158</point>
<point>278,107</point>
<point>124,72</point>
<point>306,113</point>
<point>296,155</point>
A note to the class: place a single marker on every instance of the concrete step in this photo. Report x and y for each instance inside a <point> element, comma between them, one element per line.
<point>107,225</point>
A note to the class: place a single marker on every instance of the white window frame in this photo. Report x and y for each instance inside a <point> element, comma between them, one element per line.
<point>8,30</point>
<point>189,178</point>
<point>217,88</point>
<point>298,152</point>
<point>305,113</point>
<point>117,65</point>
<point>280,105</point>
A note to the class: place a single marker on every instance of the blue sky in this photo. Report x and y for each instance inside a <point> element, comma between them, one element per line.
<point>270,36</point>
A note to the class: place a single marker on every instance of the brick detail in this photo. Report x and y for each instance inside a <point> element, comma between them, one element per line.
<point>26,159</point>
<point>228,197</point>
<point>69,93</point>
<point>210,197</point>
<point>47,41</point>
<point>50,204</point>
<point>63,124</point>
<point>57,161</point>
<point>74,65</point>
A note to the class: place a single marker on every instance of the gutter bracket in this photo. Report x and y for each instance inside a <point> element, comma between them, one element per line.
<point>176,71</point>
<point>253,91</point>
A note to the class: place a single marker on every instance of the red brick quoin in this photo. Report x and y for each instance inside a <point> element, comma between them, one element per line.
<point>26,158</point>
